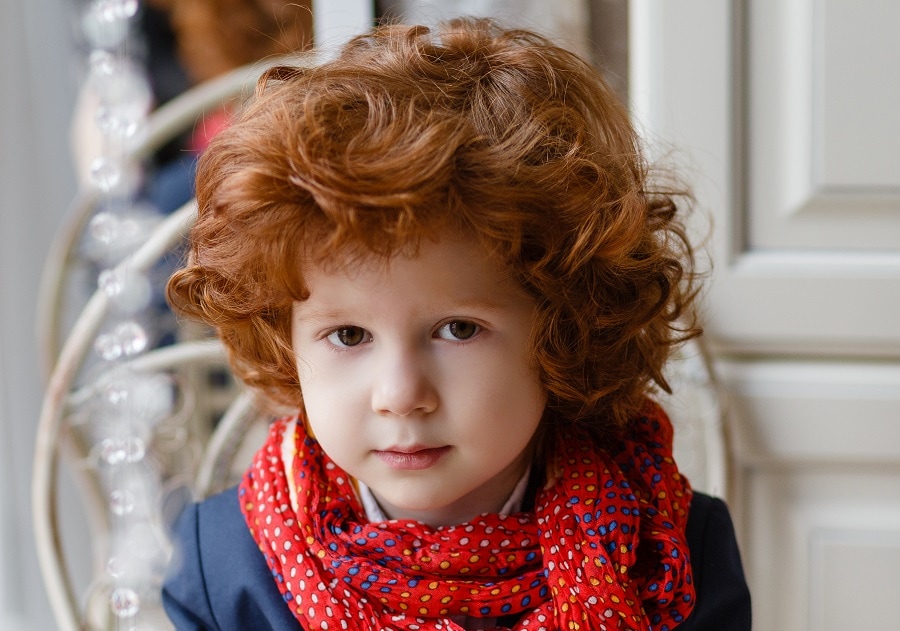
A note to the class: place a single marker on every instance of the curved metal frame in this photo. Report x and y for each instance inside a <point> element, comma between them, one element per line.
<point>164,124</point>
<point>50,425</point>
<point>63,360</point>
<point>67,359</point>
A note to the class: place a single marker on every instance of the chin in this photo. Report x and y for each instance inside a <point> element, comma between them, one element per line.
<point>420,506</point>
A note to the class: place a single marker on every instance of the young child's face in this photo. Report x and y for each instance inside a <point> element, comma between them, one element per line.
<point>416,378</point>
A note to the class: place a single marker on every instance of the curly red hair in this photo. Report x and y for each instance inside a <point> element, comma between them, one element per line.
<point>409,132</point>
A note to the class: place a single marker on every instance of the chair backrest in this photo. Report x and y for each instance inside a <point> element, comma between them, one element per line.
<point>203,427</point>
<point>178,451</point>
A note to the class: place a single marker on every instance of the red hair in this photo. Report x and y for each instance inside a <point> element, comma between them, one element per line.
<point>497,134</point>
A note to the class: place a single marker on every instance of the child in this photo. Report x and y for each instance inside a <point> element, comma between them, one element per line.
<point>443,248</point>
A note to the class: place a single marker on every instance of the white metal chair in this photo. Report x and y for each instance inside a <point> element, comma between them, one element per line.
<point>191,454</point>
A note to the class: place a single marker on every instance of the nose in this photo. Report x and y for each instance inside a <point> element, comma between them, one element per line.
<point>403,386</point>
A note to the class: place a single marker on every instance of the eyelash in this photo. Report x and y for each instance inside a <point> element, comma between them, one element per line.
<point>333,336</point>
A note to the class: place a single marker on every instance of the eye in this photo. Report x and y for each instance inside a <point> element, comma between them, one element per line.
<point>348,336</point>
<point>458,330</point>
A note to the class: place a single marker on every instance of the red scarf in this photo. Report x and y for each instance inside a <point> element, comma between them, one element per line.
<point>604,547</point>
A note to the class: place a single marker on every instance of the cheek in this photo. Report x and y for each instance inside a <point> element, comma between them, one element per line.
<point>515,401</point>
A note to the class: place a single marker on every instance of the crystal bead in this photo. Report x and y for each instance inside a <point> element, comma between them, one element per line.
<point>121,502</point>
<point>104,227</point>
<point>104,174</point>
<point>108,347</point>
<point>132,338</point>
<point>124,602</point>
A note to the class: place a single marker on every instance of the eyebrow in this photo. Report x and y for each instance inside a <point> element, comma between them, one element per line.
<point>326,314</point>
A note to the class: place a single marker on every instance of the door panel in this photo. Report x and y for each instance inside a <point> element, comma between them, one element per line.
<point>784,114</point>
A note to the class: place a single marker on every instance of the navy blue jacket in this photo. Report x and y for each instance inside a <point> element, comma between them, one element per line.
<point>219,579</point>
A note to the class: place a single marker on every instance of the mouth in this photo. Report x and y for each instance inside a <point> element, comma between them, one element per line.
<point>412,458</point>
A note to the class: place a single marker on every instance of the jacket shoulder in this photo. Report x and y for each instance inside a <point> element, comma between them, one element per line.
<point>218,578</point>
<point>722,595</point>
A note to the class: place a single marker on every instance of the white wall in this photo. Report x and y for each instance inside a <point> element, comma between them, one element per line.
<point>37,75</point>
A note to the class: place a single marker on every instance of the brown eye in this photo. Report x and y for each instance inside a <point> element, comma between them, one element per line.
<point>348,336</point>
<point>458,330</point>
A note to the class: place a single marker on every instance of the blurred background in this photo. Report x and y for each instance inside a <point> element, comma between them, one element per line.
<point>782,113</point>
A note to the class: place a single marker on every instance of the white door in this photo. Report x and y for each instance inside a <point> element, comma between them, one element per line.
<point>786,114</point>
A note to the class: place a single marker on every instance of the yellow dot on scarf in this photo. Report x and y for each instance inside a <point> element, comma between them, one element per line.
<point>608,578</point>
<point>310,541</point>
<point>661,495</point>
<point>403,606</point>
<point>575,487</point>
<point>404,594</point>
<point>443,612</point>
<point>595,581</point>
<point>623,569</point>
<point>474,558</point>
<point>597,561</point>
<point>454,588</point>
<point>492,559</point>
<point>495,591</point>
<point>463,570</point>
<point>446,599</point>
<point>516,588</point>
<point>407,552</point>
<point>464,609</point>
<point>321,554</point>
<point>615,599</point>
<point>573,599</point>
<point>511,557</point>
<point>444,565</point>
<point>591,488</point>
<point>433,585</point>
<point>423,611</point>
<point>425,598</point>
<point>415,567</point>
<point>565,607</point>
<point>426,559</point>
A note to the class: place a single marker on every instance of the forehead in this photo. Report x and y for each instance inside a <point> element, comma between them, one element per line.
<point>448,269</point>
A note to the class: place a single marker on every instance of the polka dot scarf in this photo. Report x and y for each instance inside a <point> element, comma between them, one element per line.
<point>604,547</point>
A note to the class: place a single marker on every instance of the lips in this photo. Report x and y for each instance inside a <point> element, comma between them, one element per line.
<point>413,458</point>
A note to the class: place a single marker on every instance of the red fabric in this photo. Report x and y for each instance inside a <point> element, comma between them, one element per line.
<point>604,547</point>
